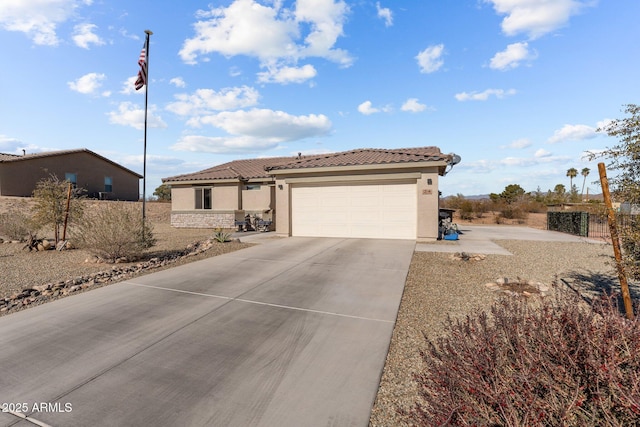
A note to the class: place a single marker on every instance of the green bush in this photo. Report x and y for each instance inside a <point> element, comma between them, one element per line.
<point>557,363</point>
<point>114,230</point>
<point>466,210</point>
<point>221,236</point>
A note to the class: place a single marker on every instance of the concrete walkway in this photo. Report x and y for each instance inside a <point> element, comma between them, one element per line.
<point>291,332</point>
<point>479,239</point>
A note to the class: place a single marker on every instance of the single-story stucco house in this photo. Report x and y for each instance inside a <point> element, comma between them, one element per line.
<point>99,176</point>
<point>364,193</point>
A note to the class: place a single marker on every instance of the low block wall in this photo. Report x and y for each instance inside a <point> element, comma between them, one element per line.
<point>202,220</point>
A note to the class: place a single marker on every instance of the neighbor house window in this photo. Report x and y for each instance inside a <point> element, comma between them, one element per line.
<point>203,198</point>
<point>108,184</point>
<point>72,178</point>
<point>253,187</point>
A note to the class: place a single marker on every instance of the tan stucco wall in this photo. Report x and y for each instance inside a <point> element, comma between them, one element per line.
<point>283,208</point>
<point>427,226</point>
<point>258,199</point>
<point>226,197</point>
<point>182,198</point>
<point>19,178</point>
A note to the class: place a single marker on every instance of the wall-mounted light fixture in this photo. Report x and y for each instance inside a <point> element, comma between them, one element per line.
<point>279,186</point>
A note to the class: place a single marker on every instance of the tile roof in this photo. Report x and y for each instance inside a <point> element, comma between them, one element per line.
<point>237,169</point>
<point>5,158</point>
<point>367,156</point>
<point>260,168</point>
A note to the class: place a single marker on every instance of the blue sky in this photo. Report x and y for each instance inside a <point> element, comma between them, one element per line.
<point>517,88</point>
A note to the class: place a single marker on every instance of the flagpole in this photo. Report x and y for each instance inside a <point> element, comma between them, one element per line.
<point>144,157</point>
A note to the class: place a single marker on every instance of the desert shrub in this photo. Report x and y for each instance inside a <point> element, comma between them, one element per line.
<point>557,363</point>
<point>50,207</point>
<point>534,206</point>
<point>15,225</point>
<point>114,230</point>
<point>630,238</point>
<point>512,212</point>
<point>221,236</point>
<point>466,210</point>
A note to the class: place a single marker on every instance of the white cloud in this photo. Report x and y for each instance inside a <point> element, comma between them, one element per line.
<point>178,82</point>
<point>223,145</point>
<point>519,143</point>
<point>483,96</point>
<point>10,145</point>
<point>129,114</point>
<point>412,105</point>
<point>385,14</point>
<point>367,108</point>
<point>206,101</point>
<point>84,35</point>
<point>275,35</point>
<point>573,133</point>
<point>512,56</point>
<point>270,125</point>
<point>129,86</point>
<point>430,59</point>
<point>87,84</point>
<point>286,75</point>
<point>542,153</point>
<point>38,19</point>
<point>535,17</point>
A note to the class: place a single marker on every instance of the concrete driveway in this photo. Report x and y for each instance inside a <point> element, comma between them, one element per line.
<point>480,239</point>
<point>287,333</point>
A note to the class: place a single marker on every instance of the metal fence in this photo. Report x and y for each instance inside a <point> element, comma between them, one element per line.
<point>588,224</point>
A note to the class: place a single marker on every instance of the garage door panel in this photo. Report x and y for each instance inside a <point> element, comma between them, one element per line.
<point>366,211</point>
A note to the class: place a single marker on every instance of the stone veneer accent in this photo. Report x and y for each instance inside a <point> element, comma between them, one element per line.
<point>203,219</point>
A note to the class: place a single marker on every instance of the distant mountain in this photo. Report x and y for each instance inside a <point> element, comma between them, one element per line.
<point>486,196</point>
<point>476,197</point>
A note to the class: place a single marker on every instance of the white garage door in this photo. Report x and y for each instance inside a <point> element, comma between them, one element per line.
<point>385,211</point>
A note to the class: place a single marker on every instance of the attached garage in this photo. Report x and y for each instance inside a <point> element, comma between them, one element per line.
<point>364,193</point>
<point>386,210</point>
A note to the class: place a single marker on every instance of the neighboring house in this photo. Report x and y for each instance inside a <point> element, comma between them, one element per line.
<point>364,193</point>
<point>99,176</point>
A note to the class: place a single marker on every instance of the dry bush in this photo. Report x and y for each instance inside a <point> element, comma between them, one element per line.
<point>114,231</point>
<point>15,225</point>
<point>558,363</point>
<point>631,247</point>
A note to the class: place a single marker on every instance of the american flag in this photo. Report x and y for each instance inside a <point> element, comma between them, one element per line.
<point>142,74</point>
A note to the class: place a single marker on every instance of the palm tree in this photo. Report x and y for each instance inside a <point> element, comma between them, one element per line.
<point>571,173</point>
<point>585,173</point>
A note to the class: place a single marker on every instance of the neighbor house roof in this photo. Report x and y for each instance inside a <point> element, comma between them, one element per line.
<point>11,158</point>
<point>260,168</point>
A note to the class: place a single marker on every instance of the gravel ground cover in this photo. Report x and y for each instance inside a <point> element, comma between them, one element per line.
<point>22,269</point>
<point>438,286</point>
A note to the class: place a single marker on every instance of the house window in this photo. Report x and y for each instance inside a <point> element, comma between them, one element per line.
<point>203,198</point>
<point>253,187</point>
<point>108,184</point>
<point>72,178</point>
